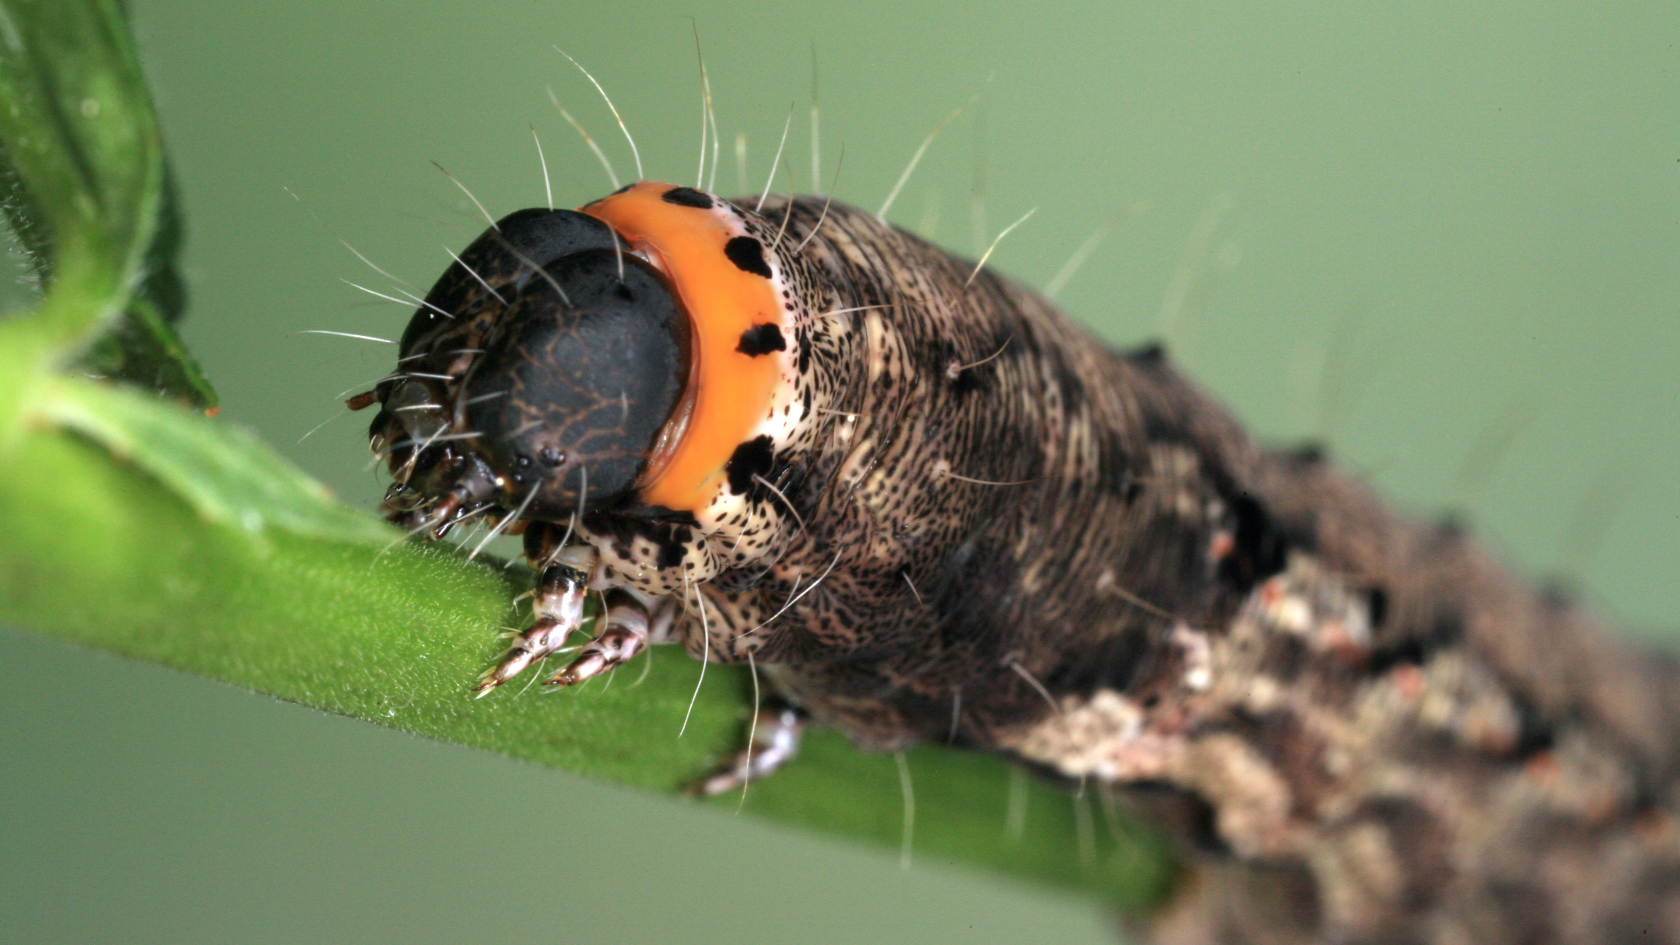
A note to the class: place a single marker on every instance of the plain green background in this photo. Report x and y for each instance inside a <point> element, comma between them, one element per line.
<point>1415,231</point>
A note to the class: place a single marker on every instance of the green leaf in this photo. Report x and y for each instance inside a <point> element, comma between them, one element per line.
<point>228,476</point>
<point>87,194</point>
<point>140,347</point>
<point>78,134</point>
<point>141,350</point>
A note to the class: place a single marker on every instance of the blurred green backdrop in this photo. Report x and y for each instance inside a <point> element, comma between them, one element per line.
<point>1427,234</point>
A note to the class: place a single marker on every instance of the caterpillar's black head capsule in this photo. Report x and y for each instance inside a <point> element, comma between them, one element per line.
<point>576,380</point>
<point>504,259</point>
<point>536,375</point>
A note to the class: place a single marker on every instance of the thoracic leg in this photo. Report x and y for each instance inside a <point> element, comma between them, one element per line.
<point>632,621</point>
<point>563,583</point>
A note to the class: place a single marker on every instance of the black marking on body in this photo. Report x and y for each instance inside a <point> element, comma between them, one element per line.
<point>1376,601</point>
<point>761,339</point>
<point>1310,453</point>
<point>1147,355</point>
<point>1535,732</point>
<point>756,456</point>
<point>1130,489</point>
<point>1261,551</point>
<point>747,254</point>
<point>687,197</point>
<point>1072,386</point>
<point>1444,630</point>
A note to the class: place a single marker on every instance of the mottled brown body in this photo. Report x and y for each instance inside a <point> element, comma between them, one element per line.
<point>971,523</point>
<point>1365,730</point>
<point>996,495</point>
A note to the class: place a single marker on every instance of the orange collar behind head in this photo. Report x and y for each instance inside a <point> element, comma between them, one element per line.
<point>729,294</point>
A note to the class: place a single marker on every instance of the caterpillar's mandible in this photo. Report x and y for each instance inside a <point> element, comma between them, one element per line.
<point>932,508</point>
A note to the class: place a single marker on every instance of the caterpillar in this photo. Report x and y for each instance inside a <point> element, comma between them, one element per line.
<point>927,507</point>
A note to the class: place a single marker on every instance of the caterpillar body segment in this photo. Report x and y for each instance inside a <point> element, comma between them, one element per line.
<point>930,508</point>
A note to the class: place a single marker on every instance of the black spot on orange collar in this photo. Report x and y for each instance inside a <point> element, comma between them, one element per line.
<point>760,339</point>
<point>748,255</point>
<point>687,197</point>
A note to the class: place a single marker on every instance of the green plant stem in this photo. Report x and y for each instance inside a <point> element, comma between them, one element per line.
<point>100,553</point>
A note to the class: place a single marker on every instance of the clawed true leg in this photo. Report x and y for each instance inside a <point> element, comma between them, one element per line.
<point>562,588</point>
<point>630,621</point>
<point>628,628</point>
<point>774,742</point>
